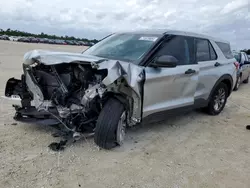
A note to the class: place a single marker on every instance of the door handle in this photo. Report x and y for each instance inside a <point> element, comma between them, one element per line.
<point>217,64</point>
<point>190,71</point>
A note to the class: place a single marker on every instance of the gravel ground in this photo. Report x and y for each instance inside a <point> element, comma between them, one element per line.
<point>192,150</point>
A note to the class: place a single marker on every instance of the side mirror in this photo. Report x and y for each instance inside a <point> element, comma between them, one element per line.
<point>165,61</point>
<point>246,63</point>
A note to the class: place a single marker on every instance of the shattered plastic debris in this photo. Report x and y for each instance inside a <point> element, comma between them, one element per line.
<point>60,134</point>
<point>58,146</point>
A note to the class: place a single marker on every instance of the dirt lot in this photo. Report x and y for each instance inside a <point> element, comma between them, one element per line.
<point>193,150</point>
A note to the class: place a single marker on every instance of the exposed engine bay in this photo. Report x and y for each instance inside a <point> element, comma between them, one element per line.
<point>73,91</point>
<point>76,91</point>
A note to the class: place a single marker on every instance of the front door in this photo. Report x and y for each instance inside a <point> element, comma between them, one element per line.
<point>171,88</point>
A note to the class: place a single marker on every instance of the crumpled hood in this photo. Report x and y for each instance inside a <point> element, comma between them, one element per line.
<point>52,58</point>
<point>116,69</point>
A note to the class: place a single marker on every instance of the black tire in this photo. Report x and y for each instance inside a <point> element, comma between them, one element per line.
<point>246,81</point>
<point>107,122</point>
<point>237,85</point>
<point>210,109</point>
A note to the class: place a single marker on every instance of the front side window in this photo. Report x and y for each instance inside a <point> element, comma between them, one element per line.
<point>125,47</point>
<point>180,47</point>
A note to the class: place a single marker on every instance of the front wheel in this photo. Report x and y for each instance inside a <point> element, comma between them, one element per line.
<point>218,100</point>
<point>111,125</point>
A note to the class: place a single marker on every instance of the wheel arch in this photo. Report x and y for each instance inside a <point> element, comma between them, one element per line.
<point>129,94</point>
<point>131,102</point>
<point>226,79</point>
<point>120,97</point>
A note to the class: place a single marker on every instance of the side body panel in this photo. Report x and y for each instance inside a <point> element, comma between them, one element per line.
<point>210,73</point>
<point>245,69</point>
<point>169,88</point>
<point>248,66</point>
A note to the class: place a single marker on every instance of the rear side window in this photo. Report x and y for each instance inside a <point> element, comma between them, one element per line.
<point>204,51</point>
<point>226,50</point>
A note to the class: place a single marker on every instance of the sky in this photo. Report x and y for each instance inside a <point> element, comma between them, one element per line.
<point>227,19</point>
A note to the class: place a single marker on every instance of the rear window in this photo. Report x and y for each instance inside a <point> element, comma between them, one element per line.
<point>226,50</point>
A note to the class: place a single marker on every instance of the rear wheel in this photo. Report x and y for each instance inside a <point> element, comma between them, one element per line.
<point>218,100</point>
<point>237,83</point>
<point>111,125</point>
<point>246,81</point>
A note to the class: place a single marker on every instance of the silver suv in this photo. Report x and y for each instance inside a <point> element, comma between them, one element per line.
<point>124,79</point>
<point>244,69</point>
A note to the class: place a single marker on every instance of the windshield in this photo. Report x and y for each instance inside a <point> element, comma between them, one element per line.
<point>125,47</point>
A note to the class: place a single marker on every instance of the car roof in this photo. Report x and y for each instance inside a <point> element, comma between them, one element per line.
<point>175,32</point>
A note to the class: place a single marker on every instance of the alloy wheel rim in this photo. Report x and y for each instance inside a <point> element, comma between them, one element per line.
<point>121,129</point>
<point>219,99</point>
<point>238,82</point>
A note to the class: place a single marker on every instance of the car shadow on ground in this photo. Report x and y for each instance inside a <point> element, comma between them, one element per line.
<point>169,122</point>
<point>138,133</point>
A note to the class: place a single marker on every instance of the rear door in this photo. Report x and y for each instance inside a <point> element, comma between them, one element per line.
<point>209,66</point>
<point>171,88</point>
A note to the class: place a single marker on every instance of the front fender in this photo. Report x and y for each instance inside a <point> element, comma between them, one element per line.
<point>134,77</point>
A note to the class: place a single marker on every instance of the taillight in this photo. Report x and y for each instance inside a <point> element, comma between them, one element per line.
<point>237,65</point>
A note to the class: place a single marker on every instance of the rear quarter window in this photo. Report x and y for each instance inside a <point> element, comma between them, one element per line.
<point>226,50</point>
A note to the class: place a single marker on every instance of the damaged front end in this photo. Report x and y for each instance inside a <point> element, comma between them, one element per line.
<point>72,88</point>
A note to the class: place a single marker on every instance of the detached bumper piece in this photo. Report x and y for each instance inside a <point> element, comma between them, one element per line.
<point>31,115</point>
<point>16,88</point>
<point>34,109</point>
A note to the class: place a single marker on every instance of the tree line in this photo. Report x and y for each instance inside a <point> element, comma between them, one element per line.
<point>11,32</point>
